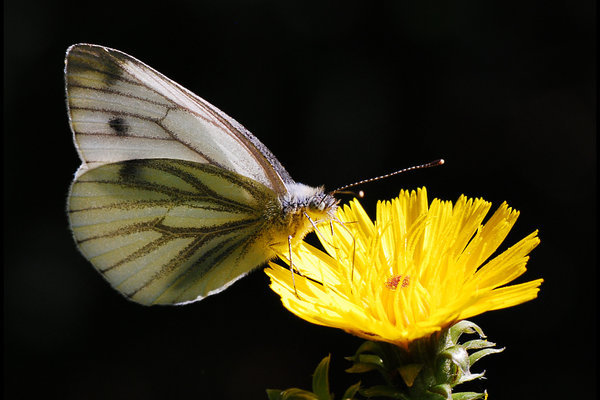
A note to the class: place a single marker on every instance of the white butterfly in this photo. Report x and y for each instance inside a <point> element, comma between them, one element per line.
<point>174,200</point>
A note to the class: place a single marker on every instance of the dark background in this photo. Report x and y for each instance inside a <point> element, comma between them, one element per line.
<point>339,91</point>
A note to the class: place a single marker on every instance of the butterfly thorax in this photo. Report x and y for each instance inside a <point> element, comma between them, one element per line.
<point>302,206</point>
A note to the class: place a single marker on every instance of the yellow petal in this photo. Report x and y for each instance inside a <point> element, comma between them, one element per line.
<point>419,268</point>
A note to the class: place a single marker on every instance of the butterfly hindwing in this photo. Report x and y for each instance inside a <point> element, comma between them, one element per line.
<point>166,231</point>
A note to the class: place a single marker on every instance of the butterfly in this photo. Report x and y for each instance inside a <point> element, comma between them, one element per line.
<point>174,200</point>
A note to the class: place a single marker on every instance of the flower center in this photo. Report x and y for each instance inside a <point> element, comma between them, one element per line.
<point>392,282</point>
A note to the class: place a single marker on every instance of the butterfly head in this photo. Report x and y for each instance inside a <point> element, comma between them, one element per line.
<point>301,199</point>
<point>302,207</point>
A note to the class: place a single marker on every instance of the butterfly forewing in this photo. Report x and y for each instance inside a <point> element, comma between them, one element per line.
<point>121,109</point>
<point>164,231</point>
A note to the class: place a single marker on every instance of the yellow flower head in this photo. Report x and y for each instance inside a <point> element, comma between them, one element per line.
<point>418,269</point>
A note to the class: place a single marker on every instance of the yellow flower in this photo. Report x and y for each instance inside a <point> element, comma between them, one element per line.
<point>418,269</point>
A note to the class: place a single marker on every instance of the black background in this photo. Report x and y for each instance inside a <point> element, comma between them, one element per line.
<point>339,91</point>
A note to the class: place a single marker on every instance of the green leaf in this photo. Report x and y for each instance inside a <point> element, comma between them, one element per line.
<point>351,391</point>
<point>292,394</point>
<point>274,394</point>
<point>320,383</point>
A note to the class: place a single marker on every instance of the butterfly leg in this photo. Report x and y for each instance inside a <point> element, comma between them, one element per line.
<point>292,266</point>
<point>318,232</point>
<point>335,219</point>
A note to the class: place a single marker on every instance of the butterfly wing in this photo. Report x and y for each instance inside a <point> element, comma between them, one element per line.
<point>173,199</point>
<point>165,231</point>
<point>121,109</point>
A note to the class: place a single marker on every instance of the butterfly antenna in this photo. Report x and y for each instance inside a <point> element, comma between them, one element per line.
<point>359,194</point>
<point>427,165</point>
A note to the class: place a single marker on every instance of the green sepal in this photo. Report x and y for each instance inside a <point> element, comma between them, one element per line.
<point>320,381</point>
<point>379,356</point>
<point>359,368</point>
<point>464,327</point>
<point>369,348</point>
<point>468,396</point>
<point>478,355</point>
<point>470,377</point>
<point>426,369</point>
<point>365,363</point>
<point>453,364</point>
<point>477,344</point>
<point>444,391</point>
<point>384,391</point>
<point>409,373</point>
